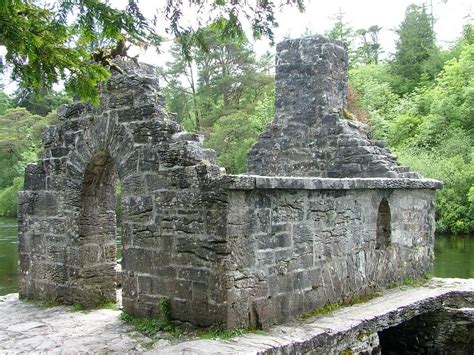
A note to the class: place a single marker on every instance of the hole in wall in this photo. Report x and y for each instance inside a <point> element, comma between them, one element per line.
<point>384,225</point>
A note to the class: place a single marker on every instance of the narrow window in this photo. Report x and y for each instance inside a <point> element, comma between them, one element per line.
<point>384,228</point>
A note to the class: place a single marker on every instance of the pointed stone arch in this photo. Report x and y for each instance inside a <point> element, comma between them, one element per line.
<point>94,279</point>
<point>66,216</point>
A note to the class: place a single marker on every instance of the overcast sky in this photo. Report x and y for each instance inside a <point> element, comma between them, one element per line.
<point>319,17</point>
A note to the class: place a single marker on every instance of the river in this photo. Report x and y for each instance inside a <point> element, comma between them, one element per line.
<point>454,256</point>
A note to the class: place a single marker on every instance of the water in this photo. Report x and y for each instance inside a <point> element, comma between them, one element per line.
<point>454,255</point>
<point>8,255</point>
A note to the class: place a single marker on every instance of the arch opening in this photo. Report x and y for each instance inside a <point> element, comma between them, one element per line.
<point>96,276</point>
<point>384,225</point>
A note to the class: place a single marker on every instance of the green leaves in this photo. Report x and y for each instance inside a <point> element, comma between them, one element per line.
<point>20,140</point>
<point>415,47</point>
<point>431,129</point>
<point>48,44</point>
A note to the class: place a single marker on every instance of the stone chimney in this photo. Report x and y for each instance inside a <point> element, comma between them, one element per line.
<point>311,134</point>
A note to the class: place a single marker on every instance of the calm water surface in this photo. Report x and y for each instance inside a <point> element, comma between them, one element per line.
<point>454,255</point>
<point>8,255</point>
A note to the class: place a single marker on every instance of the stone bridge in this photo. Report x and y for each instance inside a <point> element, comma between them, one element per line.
<point>325,213</point>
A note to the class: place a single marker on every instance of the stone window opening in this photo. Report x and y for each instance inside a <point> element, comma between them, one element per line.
<point>97,243</point>
<point>384,225</point>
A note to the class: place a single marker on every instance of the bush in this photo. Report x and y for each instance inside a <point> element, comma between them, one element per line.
<point>454,203</point>
<point>8,199</point>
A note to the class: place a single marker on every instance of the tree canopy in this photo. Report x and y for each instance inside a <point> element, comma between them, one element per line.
<point>414,48</point>
<point>47,43</point>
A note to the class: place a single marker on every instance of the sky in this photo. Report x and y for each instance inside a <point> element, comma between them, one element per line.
<point>319,17</point>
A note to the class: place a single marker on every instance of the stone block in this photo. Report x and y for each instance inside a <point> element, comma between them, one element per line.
<point>35,177</point>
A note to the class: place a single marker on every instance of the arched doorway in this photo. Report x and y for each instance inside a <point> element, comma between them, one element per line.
<point>96,274</point>
<point>384,228</point>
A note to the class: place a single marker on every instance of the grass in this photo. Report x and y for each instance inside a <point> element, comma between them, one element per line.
<point>43,304</point>
<point>100,305</point>
<point>152,327</point>
<point>217,332</point>
<point>147,326</point>
<point>409,281</point>
<point>427,276</point>
<point>334,306</point>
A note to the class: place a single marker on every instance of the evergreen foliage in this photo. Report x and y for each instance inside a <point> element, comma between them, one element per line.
<point>223,91</point>
<point>74,40</point>
<point>415,49</point>
<point>431,128</point>
<point>20,144</point>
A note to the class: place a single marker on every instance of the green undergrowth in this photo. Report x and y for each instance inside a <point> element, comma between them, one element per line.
<point>164,328</point>
<point>334,306</point>
<point>413,282</point>
<point>100,305</point>
<point>74,307</point>
<point>217,332</point>
<point>150,327</point>
<point>43,304</point>
<point>154,327</point>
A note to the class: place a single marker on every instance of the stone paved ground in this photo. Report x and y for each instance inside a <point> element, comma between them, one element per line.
<point>25,327</point>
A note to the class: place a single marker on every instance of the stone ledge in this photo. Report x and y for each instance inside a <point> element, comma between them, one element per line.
<point>332,333</point>
<point>251,182</point>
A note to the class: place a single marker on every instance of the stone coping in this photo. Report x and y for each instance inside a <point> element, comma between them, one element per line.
<point>321,334</point>
<point>251,182</point>
<point>27,328</point>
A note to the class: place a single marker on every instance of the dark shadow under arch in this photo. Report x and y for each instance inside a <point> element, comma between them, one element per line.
<point>96,274</point>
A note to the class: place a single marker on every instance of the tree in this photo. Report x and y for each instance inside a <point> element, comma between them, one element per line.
<point>214,81</point>
<point>370,48</point>
<point>71,40</point>
<point>414,49</point>
<point>48,43</point>
<point>40,105</point>
<point>5,102</point>
<point>341,30</point>
<point>20,142</point>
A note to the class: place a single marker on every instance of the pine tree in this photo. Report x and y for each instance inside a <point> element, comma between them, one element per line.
<point>414,48</point>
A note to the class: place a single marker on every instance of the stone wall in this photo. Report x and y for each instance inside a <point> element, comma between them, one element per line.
<point>171,242</point>
<point>230,250</point>
<point>445,331</point>
<point>312,134</point>
<point>298,244</point>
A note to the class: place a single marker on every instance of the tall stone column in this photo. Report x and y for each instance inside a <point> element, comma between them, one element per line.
<point>312,134</point>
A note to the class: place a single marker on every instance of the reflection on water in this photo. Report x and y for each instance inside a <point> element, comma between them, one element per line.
<point>8,255</point>
<point>454,255</point>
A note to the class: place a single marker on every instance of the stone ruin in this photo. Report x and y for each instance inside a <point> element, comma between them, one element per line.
<point>325,213</point>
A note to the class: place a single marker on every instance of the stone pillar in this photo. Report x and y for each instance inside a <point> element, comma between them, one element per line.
<point>311,81</point>
<point>312,134</point>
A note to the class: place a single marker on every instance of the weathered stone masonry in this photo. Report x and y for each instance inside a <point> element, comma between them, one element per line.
<point>230,250</point>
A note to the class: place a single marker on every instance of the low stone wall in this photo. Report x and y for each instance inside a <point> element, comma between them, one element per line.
<point>296,244</point>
